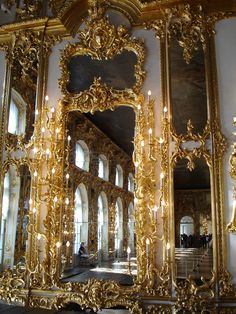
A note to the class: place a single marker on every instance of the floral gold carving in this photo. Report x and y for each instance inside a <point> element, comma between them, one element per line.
<point>197,152</point>
<point>101,40</point>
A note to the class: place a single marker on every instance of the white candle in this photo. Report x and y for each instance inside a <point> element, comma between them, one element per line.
<point>43,131</point>
<point>55,200</point>
<point>165,111</point>
<point>150,135</point>
<point>67,247</point>
<point>128,253</point>
<point>69,139</point>
<point>142,146</point>
<point>147,246</point>
<point>46,99</point>
<point>168,249</point>
<point>161,178</point>
<point>58,244</point>
<point>57,132</point>
<point>155,208</point>
<point>161,141</point>
<point>47,153</point>
<point>149,95</point>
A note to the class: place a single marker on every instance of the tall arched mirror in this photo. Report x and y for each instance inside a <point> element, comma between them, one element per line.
<point>98,222</point>
<point>14,218</point>
<point>191,157</point>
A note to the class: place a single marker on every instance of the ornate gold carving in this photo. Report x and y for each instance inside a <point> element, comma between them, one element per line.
<point>232,160</point>
<point>193,297</point>
<point>30,10</point>
<point>197,152</point>
<point>25,54</point>
<point>101,41</point>
<point>225,285</point>
<point>12,285</point>
<point>189,24</point>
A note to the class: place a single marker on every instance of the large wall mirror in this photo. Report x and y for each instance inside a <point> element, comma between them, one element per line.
<point>98,224</point>
<point>100,101</point>
<point>192,178</point>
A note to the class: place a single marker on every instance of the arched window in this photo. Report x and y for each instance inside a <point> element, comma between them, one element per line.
<point>131,182</point>
<point>5,208</point>
<point>9,217</point>
<point>187,225</point>
<point>119,176</point>
<point>119,227</point>
<point>80,217</point>
<point>131,228</point>
<point>17,114</point>
<point>103,167</point>
<point>102,231</point>
<point>82,155</point>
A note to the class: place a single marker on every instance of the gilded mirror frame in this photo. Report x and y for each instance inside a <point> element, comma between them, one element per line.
<point>40,285</point>
<point>95,294</point>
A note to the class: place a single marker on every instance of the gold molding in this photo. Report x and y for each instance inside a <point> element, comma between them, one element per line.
<point>197,152</point>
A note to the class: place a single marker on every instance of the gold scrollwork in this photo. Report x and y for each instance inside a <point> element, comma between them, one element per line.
<point>197,152</point>
<point>189,24</point>
<point>101,40</point>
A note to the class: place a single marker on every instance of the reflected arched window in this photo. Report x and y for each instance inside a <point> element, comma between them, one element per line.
<point>186,225</point>
<point>80,217</point>
<point>103,167</point>
<point>119,176</point>
<point>102,231</point>
<point>82,155</point>
<point>130,183</point>
<point>5,208</point>
<point>17,114</point>
<point>9,217</point>
<point>119,227</point>
<point>131,228</point>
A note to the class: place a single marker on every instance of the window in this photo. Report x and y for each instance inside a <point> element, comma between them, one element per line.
<point>103,167</point>
<point>17,113</point>
<point>13,125</point>
<point>131,228</point>
<point>130,183</point>
<point>119,227</point>
<point>5,208</point>
<point>102,231</point>
<point>119,176</point>
<point>82,155</point>
<point>80,217</point>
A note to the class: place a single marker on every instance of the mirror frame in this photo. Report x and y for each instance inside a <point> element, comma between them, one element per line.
<point>39,285</point>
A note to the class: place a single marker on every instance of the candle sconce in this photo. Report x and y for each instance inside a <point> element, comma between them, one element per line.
<point>231,227</point>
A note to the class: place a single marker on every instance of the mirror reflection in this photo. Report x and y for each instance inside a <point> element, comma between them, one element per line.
<point>118,72</point>
<point>22,101</point>
<point>188,89</point>
<point>14,220</point>
<point>193,220</point>
<point>98,226</point>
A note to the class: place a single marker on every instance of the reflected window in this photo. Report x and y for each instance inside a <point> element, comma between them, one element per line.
<point>103,167</point>
<point>119,227</point>
<point>102,231</point>
<point>17,113</point>
<point>82,155</point>
<point>5,208</point>
<point>119,176</point>
<point>131,228</point>
<point>130,183</point>
<point>186,225</point>
<point>9,218</point>
<point>80,217</point>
